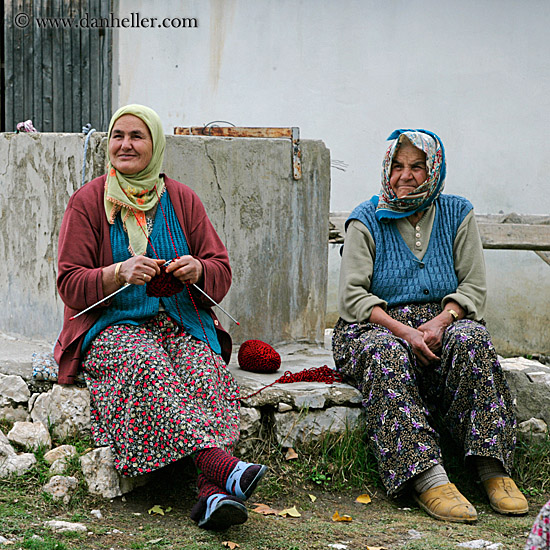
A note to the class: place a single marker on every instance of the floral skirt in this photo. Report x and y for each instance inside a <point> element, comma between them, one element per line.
<point>158,394</point>
<point>466,391</point>
<point>539,538</point>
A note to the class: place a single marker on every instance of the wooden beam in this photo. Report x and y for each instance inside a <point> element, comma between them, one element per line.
<point>494,234</point>
<point>233,131</point>
<point>515,236</point>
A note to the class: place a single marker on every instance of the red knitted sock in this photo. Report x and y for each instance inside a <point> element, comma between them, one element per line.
<point>206,489</point>
<point>216,465</point>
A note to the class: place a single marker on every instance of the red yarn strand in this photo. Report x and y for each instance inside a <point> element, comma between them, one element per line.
<point>322,374</point>
<point>177,256</point>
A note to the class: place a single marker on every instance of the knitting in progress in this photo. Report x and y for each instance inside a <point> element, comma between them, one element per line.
<point>259,357</point>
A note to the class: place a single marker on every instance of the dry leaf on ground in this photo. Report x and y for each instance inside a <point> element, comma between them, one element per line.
<point>291,454</point>
<point>337,517</point>
<point>265,509</point>
<point>376,548</point>
<point>229,544</point>
<point>156,509</point>
<point>363,499</point>
<point>313,498</point>
<point>292,512</point>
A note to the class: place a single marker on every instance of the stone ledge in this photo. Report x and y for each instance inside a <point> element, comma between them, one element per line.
<point>16,355</point>
<point>293,412</point>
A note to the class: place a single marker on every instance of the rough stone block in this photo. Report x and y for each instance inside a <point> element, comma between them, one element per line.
<point>250,429</point>
<point>14,414</point>
<point>66,409</point>
<point>102,478</point>
<point>63,451</point>
<point>11,462</point>
<point>65,526</point>
<point>534,428</point>
<point>529,386</point>
<point>30,435</point>
<point>292,427</point>
<point>61,487</point>
<point>13,390</point>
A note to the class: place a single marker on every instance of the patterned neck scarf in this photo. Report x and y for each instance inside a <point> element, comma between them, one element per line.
<point>389,206</point>
<point>133,194</point>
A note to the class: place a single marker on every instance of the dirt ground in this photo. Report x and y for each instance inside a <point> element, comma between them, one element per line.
<point>130,522</point>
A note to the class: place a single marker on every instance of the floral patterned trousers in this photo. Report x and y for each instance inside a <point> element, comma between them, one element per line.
<point>466,390</point>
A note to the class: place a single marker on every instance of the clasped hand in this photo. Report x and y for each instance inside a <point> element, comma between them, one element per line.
<point>139,270</point>
<point>426,340</point>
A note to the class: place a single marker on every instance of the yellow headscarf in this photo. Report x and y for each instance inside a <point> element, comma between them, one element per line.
<point>134,194</point>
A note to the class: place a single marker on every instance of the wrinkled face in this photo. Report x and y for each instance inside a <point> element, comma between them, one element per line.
<point>130,145</point>
<point>408,169</point>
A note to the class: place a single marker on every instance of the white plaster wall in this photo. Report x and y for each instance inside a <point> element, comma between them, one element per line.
<point>349,72</point>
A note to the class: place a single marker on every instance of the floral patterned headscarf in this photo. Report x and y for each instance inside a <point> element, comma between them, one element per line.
<point>133,194</point>
<point>389,205</point>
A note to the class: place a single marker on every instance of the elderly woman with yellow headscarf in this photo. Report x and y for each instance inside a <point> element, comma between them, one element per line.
<point>154,361</point>
<point>411,336</point>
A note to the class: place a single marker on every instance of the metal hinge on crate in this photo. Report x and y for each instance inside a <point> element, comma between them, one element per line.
<point>292,133</point>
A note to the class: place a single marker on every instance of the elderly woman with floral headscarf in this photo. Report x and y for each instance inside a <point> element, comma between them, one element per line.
<point>411,336</point>
<point>154,356</point>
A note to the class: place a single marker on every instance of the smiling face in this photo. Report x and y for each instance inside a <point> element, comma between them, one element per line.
<point>408,169</point>
<point>130,145</point>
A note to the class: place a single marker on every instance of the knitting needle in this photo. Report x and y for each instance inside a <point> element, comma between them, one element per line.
<point>100,301</point>
<point>128,284</point>
<point>215,303</point>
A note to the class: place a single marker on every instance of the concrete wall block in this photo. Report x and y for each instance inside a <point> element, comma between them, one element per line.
<point>41,172</point>
<point>295,427</point>
<point>274,227</point>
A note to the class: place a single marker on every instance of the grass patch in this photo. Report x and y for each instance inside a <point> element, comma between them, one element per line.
<point>532,465</point>
<point>339,462</point>
<point>43,543</point>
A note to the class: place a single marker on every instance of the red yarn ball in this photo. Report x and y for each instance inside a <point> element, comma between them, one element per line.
<point>257,356</point>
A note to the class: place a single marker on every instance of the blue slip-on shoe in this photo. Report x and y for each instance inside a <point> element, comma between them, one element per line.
<point>237,483</point>
<point>222,512</point>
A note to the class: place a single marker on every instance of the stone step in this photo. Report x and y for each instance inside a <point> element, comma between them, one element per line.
<point>16,354</point>
<point>294,413</point>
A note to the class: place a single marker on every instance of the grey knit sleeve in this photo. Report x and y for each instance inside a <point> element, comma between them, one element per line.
<point>355,302</point>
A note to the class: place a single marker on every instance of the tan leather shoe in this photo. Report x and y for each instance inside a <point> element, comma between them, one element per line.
<point>446,504</point>
<point>505,497</point>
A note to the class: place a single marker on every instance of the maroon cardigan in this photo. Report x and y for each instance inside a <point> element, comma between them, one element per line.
<point>85,248</point>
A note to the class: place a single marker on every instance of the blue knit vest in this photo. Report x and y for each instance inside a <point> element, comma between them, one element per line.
<point>398,276</point>
<point>132,306</point>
